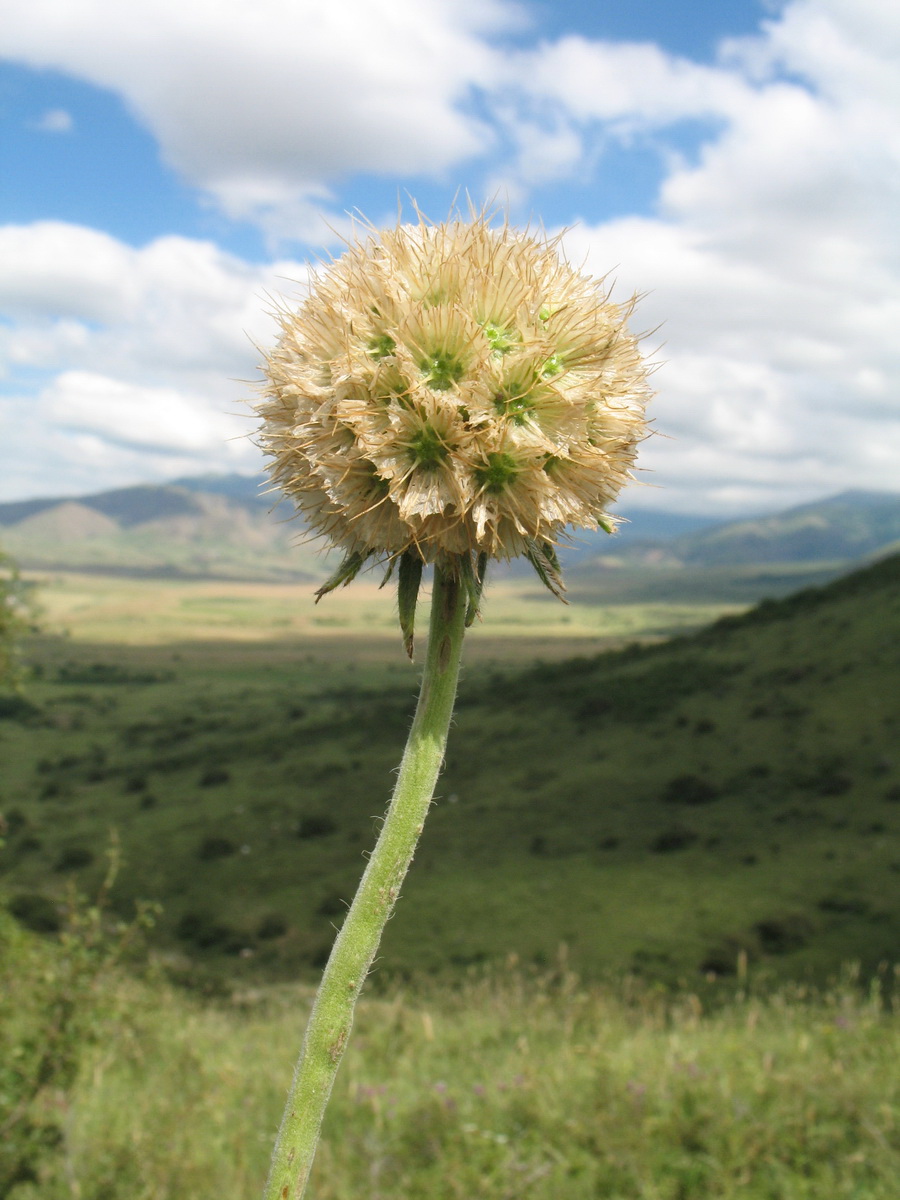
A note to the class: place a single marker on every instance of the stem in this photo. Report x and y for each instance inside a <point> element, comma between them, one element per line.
<point>355,947</point>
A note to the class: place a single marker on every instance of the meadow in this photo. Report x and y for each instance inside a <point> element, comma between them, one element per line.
<point>122,610</point>
<point>619,966</point>
<point>512,1083</point>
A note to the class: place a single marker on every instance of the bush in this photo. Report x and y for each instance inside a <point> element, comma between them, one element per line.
<point>36,912</point>
<point>53,1006</point>
<point>216,847</point>
<point>214,776</point>
<point>207,933</point>
<point>271,926</point>
<point>16,618</point>
<point>781,935</point>
<point>73,858</point>
<point>678,837</point>
<point>690,789</point>
<point>316,826</point>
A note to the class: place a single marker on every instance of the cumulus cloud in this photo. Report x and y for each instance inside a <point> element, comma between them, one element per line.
<point>264,104</point>
<point>771,259</point>
<point>774,266</point>
<point>147,355</point>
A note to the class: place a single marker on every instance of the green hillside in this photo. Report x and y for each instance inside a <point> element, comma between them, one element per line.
<point>843,528</point>
<point>663,810</point>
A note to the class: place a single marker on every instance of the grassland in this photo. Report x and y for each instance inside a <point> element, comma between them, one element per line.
<point>608,975</point>
<point>122,610</point>
<point>660,810</point>
<point>514,1083</point>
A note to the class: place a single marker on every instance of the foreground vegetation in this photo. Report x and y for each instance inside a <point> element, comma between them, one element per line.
<point>512,1083</point>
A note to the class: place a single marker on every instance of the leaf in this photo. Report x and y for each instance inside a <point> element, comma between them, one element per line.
<point>542,556</point>
<point>346,572</point>
<point>472,577</point>
<point>409,577</point>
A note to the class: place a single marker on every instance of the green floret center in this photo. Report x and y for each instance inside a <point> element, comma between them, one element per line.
<point>442,370</point>
<point>514,403</point>
<point>501,340</point>
<point>428,448</point>
<point>553,366</point>
<point>382,346</point>
<point>498,472</point>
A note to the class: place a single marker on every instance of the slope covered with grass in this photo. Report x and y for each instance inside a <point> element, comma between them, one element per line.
<point>666,810</point>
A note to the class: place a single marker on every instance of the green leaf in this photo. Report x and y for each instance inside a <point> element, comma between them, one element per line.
<point>472,577</point>
<point>409,577</point>
<point>346,572</point>
<point>542,556</point>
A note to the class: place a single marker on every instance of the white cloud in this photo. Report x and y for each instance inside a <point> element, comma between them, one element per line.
<point>632,84</point>
<point>82,298</point>
<point>772,261</point>
<point>263,104</point>
<point>54,120</point>
<point>774,267</point>
<point>146,353</point>
<point>161,420</point>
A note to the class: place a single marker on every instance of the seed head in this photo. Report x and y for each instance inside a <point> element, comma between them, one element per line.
<point>453,393</point>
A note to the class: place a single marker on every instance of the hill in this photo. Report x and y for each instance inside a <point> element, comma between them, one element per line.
<point>225,527</point>
<point>843,528</point>
<point>214,527</point>
<point>662,809</point>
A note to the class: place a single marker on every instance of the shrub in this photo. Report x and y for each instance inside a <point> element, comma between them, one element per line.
<point>36,912</point>
<point>271,926</point>
<point>315,826</point>
<point>781,935</point>
<point>690,789</point>
<point>73,858</point>
<point>333,905</point>
<point>54,1003</point>
<point>678,837</point>
<point>216,847</point>
<point>214,776</point>
<point>209,934</point>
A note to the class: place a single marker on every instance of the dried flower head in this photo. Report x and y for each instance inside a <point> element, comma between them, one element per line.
<point>453,393</point>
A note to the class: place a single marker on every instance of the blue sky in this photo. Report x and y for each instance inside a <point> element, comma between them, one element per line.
<point>165,170</point>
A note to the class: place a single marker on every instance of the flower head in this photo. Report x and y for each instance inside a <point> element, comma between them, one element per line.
<point>453,393</point>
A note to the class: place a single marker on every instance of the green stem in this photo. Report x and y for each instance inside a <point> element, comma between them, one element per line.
<point>356,944</point>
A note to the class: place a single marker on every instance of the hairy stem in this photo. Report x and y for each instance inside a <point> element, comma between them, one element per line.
<point>356,944</point>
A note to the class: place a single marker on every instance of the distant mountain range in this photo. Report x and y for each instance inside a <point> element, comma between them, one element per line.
<point>226,526</point>
<point>841,529</point>
<point>216,526</point>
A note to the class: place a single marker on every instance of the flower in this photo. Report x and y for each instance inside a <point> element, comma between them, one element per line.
<point>453,393</point>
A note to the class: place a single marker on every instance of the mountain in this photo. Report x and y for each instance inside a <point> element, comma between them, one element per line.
<point>216,526</point>
<point>840,529</point>
<point>228,526</point>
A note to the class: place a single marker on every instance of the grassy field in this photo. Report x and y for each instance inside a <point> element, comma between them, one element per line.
<point>608,976</point>
<point>155,612</point>
<point>659,810</point>
<point>513,1083</point>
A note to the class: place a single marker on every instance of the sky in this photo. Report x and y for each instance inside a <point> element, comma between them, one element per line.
<point>168,170</point>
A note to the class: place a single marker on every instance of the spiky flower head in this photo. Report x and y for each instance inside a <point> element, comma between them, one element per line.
<point>452,393</point>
